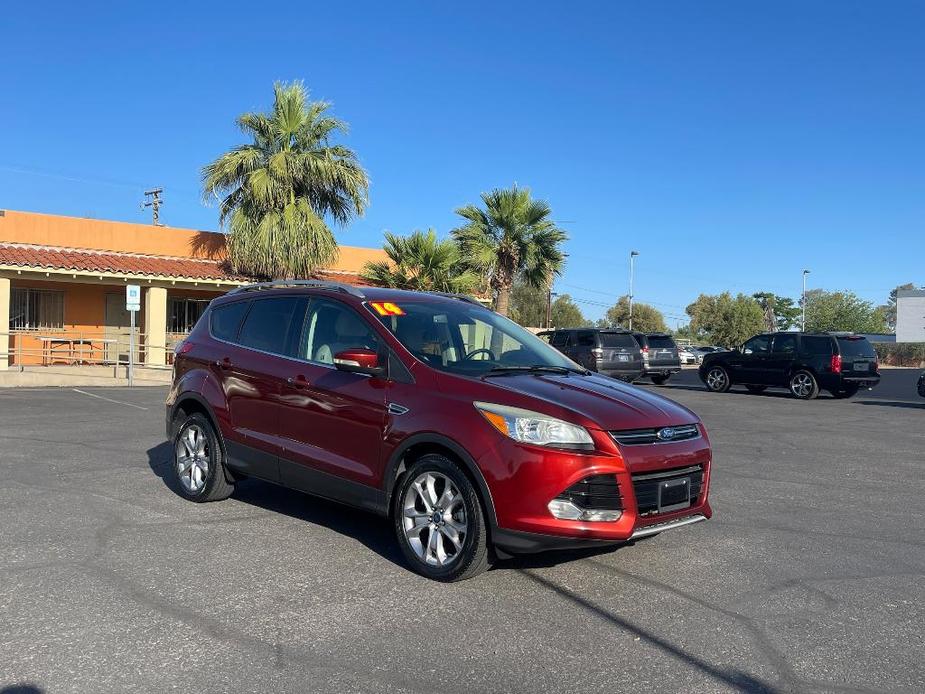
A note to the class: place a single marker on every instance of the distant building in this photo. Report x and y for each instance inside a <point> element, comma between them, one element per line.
<point>910,315</point>
<point>62,286</point>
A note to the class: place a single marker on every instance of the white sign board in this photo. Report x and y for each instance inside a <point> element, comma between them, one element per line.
<point>132,297</point>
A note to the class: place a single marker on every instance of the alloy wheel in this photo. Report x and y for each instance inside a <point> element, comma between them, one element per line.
<point>434,519</point>
<point>716,379</point>
<point>193,458</point>
<point>801,385</point>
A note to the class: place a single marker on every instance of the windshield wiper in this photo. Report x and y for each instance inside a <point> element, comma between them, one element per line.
<point>535,368</point>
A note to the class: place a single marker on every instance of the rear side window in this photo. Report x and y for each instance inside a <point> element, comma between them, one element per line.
<point>661,342</point>
<point>618,341</point>
<point>586,339</point>
<point>274,325</point>
<point>785,344</point>
<point>856,347</point>
<point>819,345</point>
<point>226,319</point>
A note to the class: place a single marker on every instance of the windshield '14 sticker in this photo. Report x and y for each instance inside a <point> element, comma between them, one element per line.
<point>386,308</point>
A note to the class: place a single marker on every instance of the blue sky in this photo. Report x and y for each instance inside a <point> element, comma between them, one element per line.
<point>732,144</point>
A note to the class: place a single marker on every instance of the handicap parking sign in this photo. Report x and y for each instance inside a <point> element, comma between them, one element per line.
<point>132,297</point>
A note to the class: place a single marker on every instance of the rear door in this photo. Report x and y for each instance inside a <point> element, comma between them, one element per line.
<point>858,357</point>
<point>776,368</point>
<point>663,352</point>
<point>620,351</point>
<point>583,351</point>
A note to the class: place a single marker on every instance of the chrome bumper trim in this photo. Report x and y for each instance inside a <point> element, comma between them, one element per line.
<point>667,525</point>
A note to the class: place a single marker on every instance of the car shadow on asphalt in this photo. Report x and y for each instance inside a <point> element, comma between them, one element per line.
<point>371,530</point>
<point>893,403</point>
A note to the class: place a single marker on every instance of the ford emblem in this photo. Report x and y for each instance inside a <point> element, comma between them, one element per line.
<point>666,434</point>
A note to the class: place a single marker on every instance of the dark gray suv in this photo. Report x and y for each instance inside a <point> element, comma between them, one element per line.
<point>612,352</point>
<point>660,357</point>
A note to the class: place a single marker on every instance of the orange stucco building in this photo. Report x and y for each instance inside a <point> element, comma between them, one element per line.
<point>63,279</point>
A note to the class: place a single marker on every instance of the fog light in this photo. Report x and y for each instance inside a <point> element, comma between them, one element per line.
<point>566,510</point>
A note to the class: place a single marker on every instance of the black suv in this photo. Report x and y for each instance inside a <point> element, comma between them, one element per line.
<point>610,352</point>
<point>803,362</point>
<point>660,357</point>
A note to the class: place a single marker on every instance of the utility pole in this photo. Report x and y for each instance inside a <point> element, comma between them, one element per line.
<point>633,255</point>
<point>803,320</point>
<point>154,202</point>
<point>549,306</point>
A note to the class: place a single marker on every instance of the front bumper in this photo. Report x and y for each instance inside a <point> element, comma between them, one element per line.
<point>523,480</point>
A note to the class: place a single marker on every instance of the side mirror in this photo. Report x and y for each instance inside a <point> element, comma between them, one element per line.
<point>359,360</point>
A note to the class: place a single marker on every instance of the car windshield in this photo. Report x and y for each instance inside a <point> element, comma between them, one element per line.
<point>466,339</point>
<point>856,347</point>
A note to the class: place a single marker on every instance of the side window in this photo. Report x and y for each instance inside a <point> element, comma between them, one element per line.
<point>586,339</point>
<point>332,327</point>
<point>559,339</point>
<point>760,344</point>
<point>225,320</point>
<point>816,345</point>
<point>274,325</point>
<point>785,344</point>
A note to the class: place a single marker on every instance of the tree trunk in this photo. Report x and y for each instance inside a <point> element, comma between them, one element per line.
<point>503,301</point>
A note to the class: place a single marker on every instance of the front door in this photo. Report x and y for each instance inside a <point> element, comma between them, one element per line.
<point>332,421</point>
<point>749,366</point>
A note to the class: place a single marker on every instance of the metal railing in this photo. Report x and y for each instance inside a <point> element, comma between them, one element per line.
<point>105,347</point>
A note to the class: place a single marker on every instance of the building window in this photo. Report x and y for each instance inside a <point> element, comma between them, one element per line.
<point>184,313</point>
<point>36,309</point>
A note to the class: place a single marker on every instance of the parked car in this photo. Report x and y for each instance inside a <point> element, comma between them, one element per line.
<point>921,384</point>
<point>474,437</point>
<point>611,352</point>
<point>701,352</point>
<point>659,356</point>
<point>803,362</point>
<point>686,355</point>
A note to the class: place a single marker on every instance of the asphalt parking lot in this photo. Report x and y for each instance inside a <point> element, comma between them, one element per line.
<point>810,577</point>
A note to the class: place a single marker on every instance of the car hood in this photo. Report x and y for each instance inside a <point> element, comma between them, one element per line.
<point>608,403</point>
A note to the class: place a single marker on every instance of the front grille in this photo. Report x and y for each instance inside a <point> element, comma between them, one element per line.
<point>636,437</point>
<point>594,493</point>
<point>645,486</point>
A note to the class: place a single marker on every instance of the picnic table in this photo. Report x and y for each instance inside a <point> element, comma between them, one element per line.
<point>73,350</point>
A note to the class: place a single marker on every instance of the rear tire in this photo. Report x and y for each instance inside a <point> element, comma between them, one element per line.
<point>846,392</point>
<point>803,385</point>
<point>717,380</point>
<point>439,521</point>
<point>661,379</point>
<point>756,389</point>
<point>198,461</point>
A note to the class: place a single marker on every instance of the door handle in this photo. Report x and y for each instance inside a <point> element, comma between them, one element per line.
<point>224,363</point>
<point>297,382</point>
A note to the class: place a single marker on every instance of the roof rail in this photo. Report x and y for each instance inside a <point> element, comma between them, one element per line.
<point>462,297</point>
<point>311,284</point>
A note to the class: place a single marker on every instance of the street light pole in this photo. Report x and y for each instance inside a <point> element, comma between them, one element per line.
<point>803,321</point>
<point>633,255</point>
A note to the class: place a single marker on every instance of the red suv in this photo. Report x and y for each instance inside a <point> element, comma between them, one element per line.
<point>472,435</point>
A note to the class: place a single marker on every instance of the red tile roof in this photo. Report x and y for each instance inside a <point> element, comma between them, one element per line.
<point>25,255</point>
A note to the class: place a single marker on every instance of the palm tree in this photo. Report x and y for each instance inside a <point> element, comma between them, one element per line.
<point>421,262</point>
<point>279,191</point>
<point>511,239</point>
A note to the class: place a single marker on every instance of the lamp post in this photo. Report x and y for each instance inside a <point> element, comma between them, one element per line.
<point>803,320</point>
<point>633,255</point>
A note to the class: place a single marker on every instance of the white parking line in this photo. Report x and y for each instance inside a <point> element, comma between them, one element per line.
<point>100,397</point>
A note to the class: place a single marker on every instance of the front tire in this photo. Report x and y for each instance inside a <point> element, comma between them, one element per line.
<point>661,379</point>
<point>803,385</point>
<point>717,380</point>
<point>198,463</point>
<point>439,522</point>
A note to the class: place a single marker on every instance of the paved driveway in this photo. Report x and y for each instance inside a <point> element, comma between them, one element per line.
<point>811,577</point>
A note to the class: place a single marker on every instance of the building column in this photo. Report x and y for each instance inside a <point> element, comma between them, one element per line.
<point>156,326</point>
<point>5,337</point>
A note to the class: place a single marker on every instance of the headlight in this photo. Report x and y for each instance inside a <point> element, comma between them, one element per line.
<point>535,428</point>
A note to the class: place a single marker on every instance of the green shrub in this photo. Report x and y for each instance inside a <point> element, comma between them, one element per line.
<point>901,353</point>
